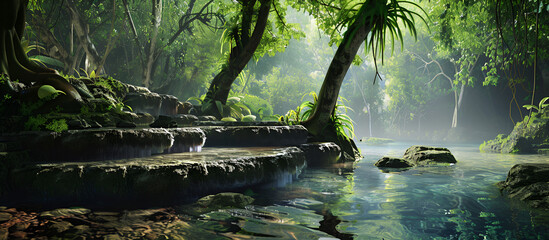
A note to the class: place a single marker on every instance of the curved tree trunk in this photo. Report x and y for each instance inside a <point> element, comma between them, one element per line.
<point>14,61</point>
<point>329,92</point>
<point>239,57</point>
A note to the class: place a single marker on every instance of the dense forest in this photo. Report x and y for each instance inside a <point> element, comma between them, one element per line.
<point>254,119</point>
<point>464,65</point>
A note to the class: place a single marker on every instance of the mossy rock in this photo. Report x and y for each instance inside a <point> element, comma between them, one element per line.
<point>225,200</point>
<point>528,136</point>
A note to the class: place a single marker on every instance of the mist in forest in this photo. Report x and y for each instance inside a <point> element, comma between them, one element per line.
<point>431,88</point>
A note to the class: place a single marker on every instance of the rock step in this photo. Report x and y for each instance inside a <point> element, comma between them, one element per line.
<point>109,144</point>
<point>245,136</point>
<point>158,179</point>
<point>235,124</point>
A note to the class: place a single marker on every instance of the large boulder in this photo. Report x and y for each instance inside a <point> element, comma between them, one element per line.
<point>418,156</point>
<point>528,136</point>
<point>528,182</point>
<point>425,155</point>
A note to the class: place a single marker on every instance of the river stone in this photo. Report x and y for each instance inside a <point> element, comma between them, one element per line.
<point>224,200</point>
<point>528,182</point>
<point>59,227</point>
<point>425,155</point>
<point>392,162</point>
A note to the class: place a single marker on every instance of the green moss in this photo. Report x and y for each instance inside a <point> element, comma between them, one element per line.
<point>46,122</point>
<point>57,125</point>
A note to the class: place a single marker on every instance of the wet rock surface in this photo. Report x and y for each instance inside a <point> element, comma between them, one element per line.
<point>529,136</point>
<point>225,200</point>
<point>392,162</point>
<point>218,136</point>
<point>107,144</point>
<point>528,182</point>
<point>418,156</point>
<point>425,155</point>
<point>160,223</point>
<point>321,154</point>
<point>159,179</point>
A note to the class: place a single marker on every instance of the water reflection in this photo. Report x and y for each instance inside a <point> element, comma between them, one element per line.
<point>436,202</point>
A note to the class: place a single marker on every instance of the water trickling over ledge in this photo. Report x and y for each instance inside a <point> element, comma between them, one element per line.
<point>160,179</point>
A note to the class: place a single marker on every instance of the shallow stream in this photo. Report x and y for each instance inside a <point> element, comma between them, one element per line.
<point>442,202</point>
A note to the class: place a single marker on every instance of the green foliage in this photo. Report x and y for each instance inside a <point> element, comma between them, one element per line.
<point>257,106</point>
<point>541,108</point>
<point>228,119</point>
<point>118,107</point>
<point>384,18</point>
<point>40,122</point>
<point>343,124</point>
<point>57,125</point>
<point>285,89</point>
<point>109,83</point>
<point>46,91</point>
<point>35,123</point>
<point>340,120</point>
<point>248,118</point>
<point>234,108</point>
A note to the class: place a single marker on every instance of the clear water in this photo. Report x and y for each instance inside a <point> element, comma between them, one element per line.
<point>439,202</point>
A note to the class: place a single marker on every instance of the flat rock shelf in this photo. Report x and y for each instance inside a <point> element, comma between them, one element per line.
<point>159,179</point>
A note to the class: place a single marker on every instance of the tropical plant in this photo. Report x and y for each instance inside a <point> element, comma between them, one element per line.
<point>541,108</point>
<point>342,123</point>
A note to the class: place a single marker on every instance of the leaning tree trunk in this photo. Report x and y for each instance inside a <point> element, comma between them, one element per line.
<point>319,124</point>
<point>13,60</point>
<point>239,57</point>
<point>329,92</point>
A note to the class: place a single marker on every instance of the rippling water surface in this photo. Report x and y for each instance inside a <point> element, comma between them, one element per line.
<point>441,202</point>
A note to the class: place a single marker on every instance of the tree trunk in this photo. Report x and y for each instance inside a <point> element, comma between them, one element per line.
<point>82,35</point>
<point>370,120</point>
<point>329,92</point>
<point>239,57</point>
<point>14,61</point>
<point>152,54</point>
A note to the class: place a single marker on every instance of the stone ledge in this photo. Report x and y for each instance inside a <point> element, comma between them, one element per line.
<point>158,179</point>
<point>109,144</point>
<point>244,136</point>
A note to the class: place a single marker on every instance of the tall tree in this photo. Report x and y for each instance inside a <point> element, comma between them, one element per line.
<point>240,54</point>
<point>370,22</point>
<point>461,36</point>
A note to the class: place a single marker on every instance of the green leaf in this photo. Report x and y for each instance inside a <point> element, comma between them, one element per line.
<point>47,90</point>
